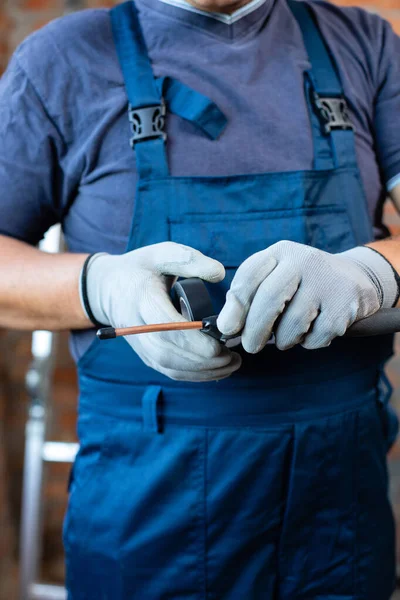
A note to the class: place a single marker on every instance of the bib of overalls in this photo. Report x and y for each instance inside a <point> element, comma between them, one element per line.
<point>272,483</point>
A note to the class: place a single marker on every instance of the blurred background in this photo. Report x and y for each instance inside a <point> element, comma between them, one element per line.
<point>18,18</point>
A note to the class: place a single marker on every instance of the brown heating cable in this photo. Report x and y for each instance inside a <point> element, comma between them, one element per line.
<point>111,332</point>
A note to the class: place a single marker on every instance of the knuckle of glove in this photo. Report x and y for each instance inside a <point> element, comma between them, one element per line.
<point>299,323</point>
<point>177,259</point>
<point>285,248</point>
<point>167,248</point>
<point>285,343</point>
<point>340,325</point>
<point>291,336</point>
<point>339,318</point>
<point>316,343</point>
<point>324,335</point>
<point>169,254</point>
<point>280,296</point>
<point>294,331</point>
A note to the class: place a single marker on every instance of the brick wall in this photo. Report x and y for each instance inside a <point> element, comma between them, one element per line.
<point>17,19</point>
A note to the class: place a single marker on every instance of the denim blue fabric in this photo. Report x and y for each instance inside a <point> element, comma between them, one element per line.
<point>272,483</point>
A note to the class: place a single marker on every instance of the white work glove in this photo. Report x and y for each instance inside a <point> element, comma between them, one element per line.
<point>305,295</point>
<point>134,289</point>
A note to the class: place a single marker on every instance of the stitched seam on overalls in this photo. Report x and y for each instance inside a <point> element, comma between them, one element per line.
<point>357,591</point>
<point>288,484</point>
<point>283,427</point>
<point>205,460</point>
<point>310,174</point>
<point>200,527</point>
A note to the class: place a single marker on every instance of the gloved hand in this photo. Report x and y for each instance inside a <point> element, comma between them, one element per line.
<point>305,295</point>
<point>134,289</point>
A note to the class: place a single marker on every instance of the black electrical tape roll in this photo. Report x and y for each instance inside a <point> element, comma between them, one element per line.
<point>192,300</point>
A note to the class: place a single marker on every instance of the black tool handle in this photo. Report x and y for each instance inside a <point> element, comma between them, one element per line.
<point>384,321</point>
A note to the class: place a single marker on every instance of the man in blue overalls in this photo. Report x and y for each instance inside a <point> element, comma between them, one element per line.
<point>265,138</point>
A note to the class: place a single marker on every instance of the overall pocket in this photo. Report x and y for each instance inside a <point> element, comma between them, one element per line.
<point>233,238</point>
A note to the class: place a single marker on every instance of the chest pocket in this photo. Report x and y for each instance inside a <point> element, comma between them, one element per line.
<point>237,217</point>
<point>233,238</point>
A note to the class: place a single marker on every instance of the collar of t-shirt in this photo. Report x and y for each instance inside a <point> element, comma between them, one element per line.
<point>244,22</point>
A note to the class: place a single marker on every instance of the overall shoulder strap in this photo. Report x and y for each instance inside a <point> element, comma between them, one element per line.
<point>146,96</point>
<point>332,129</point>
<point>326,79</point>
<point>133,56</point>
<point>146,109</point>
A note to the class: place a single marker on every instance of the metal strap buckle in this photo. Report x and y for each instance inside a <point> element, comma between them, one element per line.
<point>147,123</point>
<point>334,113</point>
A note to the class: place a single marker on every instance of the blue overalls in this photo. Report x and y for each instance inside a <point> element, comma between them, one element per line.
<point>271,484</point>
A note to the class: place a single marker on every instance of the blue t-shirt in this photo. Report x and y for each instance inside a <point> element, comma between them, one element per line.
<point>64,132</point>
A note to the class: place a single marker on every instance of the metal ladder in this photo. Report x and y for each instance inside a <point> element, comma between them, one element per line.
<point>38,451</point>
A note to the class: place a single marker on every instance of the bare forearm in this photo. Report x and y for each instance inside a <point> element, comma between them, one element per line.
<point>390,249</point>
<point>39,290</point>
